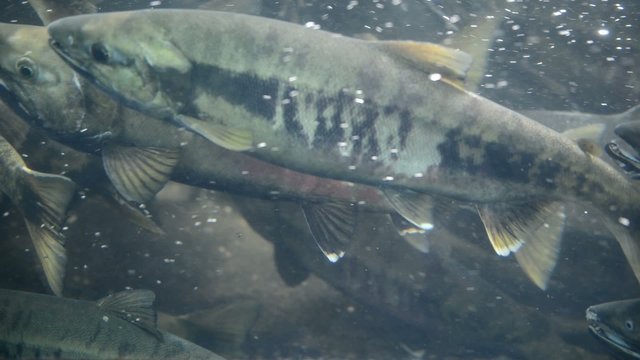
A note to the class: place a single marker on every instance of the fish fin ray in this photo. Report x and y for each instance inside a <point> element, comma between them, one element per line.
<point>332,226</point>
<point>417,208</point>
<point>539,254</point>
<point>451,63</point>
<point>413,235</point>
<point>138,173</point>
<point>508,226</point>
<point>134,306</point>
<point>48,198</point>
<point>134,214</point>
<point>164,56</point>
<point>629,245</point>
<point>224,327</point>
<point>291,270</point>
<point>230,139</point>
<point>49,246</point>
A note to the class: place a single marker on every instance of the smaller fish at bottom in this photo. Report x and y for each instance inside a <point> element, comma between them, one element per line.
<point>119,326</point>
<point>617,324</point>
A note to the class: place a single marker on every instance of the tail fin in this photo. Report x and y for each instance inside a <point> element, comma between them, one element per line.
<point>46,199</point>
<point>221,329</point>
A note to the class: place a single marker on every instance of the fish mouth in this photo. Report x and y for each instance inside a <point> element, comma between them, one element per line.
<point>15,103</point>
<point>609,336</point>
<point>64,54</point>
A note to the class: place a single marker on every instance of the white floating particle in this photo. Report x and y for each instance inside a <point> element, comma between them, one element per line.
<point>435,77</point>
<point>105,318</point>
<point>418,175</point>
<point>212,220</point>
<point>293,78</point>
<point>426,226</point>
<point>266,97</point>
<point>155,3</point>
<point>603,32</point>
<point>387,178</point>
<point>624,221</point>
<point>262,144</point>
<point>312,25</point>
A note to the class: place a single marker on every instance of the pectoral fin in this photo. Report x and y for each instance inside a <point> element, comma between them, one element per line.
<point>332,226</point>
<point>138,173</point>
<point>134,306</point>
<point>47,198</point>
<point>532,231</point>
<point>164,56</point>
<point>289,267</point>
<point>228,138</point>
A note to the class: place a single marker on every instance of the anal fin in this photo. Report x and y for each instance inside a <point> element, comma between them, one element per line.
<point>332,225</point>
<point>138,173</point>
<point>533,231</point>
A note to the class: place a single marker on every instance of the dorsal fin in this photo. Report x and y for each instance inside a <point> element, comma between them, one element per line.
<point>134,306</point>
<point>451,64</point>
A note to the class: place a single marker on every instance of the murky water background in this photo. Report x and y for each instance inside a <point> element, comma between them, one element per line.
<point>385,300</point>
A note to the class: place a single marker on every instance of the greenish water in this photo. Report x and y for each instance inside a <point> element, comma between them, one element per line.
<point>384,300</point>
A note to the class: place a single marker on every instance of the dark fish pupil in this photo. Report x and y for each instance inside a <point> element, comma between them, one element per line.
<point>99,53</point>
<point>26,71</point>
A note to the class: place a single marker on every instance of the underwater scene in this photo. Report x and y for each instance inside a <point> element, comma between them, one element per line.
<point>312,179</point>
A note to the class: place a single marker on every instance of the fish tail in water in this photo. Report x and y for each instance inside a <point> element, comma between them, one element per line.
<point>47,197</point>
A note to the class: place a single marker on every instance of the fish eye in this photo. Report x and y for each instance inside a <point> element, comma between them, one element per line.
<point>100,53</point>
<point>629,324</point>
<point>26,68</point>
